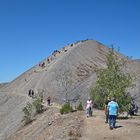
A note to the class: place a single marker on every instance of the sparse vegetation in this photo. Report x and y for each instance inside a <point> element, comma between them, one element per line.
<point>66,108</point>
<point>80,106</point>
<point>113,81</point>
<point>27,110</point>
<point>38,102</point>
<point>65,80</point>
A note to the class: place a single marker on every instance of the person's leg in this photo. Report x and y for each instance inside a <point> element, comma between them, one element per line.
<point>49,102</point>
<point>107,116</point>
<point>110,122</point>
<point>90,111</point>
<point>87,112</point>
<point>114,121</point>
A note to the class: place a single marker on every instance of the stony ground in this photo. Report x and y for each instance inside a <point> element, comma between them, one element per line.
<point>96,129</point>
<point>82,59</point>
<point>51,125</point>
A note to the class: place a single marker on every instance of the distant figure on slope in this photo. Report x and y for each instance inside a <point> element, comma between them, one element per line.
<point>89,105</point>
<point>106,110</point>
<point>31,93</point>
<point>133,109</point>
<point>42,65</point>
<point>49,100</point>
<point>113,112</point>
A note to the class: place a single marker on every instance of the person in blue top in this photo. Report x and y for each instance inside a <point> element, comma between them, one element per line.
<point>113,112</point>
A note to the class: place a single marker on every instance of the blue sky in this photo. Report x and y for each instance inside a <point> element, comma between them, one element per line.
<point>31,29</point>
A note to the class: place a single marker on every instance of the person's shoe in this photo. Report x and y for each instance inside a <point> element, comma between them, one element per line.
<point>110,127</point>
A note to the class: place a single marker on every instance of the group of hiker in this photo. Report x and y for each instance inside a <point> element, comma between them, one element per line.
<point>42,65</point>
<point>31,93</point>
<point>111,111</point>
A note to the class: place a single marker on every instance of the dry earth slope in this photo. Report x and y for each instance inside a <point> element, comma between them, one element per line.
<point>81,58</point>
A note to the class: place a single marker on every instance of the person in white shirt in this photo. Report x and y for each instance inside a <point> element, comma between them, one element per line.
<point>89,104</point>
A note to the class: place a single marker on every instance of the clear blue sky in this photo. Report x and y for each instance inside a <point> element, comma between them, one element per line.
<point>31,29</point>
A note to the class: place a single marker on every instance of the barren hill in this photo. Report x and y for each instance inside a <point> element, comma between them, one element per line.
<point>3,84</point>
<point>80,58</point>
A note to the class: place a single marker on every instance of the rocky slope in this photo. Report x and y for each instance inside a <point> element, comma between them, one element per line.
<point>51,125</point>
<point>80,58</point>
<point>3,84</point>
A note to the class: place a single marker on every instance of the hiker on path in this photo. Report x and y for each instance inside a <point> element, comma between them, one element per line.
<point>49,100</point>
<point>89,105</point>
<point>106,110</point>
<point>112,108</point>
<point>133,110</point>
<point>32,94</point>
<point>29,93</point>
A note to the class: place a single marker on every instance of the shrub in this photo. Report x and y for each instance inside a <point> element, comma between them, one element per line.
<point>38,103</point>
<point>66,108</point>
<point>27,113</point>
<point>80,106</point>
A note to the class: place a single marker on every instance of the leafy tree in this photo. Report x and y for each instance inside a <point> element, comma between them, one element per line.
<point>27,110</point>
<point>112,81</point>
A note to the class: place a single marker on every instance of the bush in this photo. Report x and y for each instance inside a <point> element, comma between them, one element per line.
<point>38,103</point>
<point>27,113</point>
<point>66,108</point>
<point>80,106</point>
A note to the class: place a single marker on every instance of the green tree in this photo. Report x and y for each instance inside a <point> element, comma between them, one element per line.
<point>112,81</point>
<point>27,110</point>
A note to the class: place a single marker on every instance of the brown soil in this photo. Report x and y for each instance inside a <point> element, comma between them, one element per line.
<point>51,125</point>
<point>95,128</point>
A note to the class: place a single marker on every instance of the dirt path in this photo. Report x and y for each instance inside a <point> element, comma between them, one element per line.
<point>51,125</point>
<point>96,129</point>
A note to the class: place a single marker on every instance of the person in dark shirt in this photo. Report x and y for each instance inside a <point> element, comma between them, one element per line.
<point>49,100</point>
<point>106,111</point>
<point>29,93</point>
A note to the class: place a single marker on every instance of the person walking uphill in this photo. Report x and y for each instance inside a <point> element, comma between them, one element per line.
<point>106,110</point>
<point>113,112</point>
<point>89,107</point>
<point>49,100</point>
